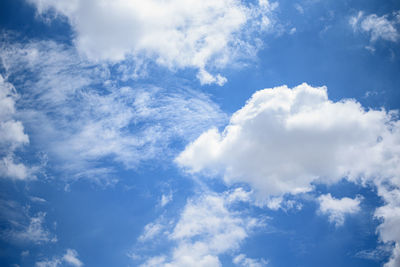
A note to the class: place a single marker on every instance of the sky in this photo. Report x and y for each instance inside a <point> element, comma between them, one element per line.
<point>199,133</point>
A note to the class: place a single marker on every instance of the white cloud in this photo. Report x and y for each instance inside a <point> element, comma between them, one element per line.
<point>283,140</point>
<point>70,258</point>
<point>165,199</point>
<point>78,115</point>
<point>48,263</point>
<point>389,231</point>
<point>378,254</point>
<point>175,33</point>
<point>38,199</point>
<point>242,260</point>
<point>385,27</point>
<point>10,169</point>
<point>206,78</point>
<point>130,125</point>
<point>280,202</point>
<point>207,228</point>
<point>150,231</point>
<point>299,8</point>
<point>337,209</point>
<point>35,231</point>
<point>12,134</point>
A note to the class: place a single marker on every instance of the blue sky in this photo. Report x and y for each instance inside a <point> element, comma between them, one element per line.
<point>199,133</point>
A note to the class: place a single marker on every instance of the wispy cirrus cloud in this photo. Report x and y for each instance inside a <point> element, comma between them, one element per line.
<point>34,231</point>
<point>390,214</point>
<point>77,113</point>
<point>19,225</point>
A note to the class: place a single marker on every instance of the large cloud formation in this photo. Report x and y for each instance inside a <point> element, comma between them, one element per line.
<point>175,33</point>
<point>285,140</point>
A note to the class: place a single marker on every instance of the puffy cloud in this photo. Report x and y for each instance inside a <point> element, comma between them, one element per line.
<point>78,115</point>
<point>337,209</point>
<point>207,227</point>
<point>12,135</point>
<point>384,27</point>
<point>174,33</point>
<point>70,258</point>
<point>10,169</point>
<point>283,140</point>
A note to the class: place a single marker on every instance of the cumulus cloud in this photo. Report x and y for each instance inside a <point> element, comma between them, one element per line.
<point>384,27</point>
<point>337,209</point>
<point>12,135</point>
<point>207,227</point>
<point>79,115</point>
<point>70,258</point>
<point>174,33</point>
<point>285,139</point>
